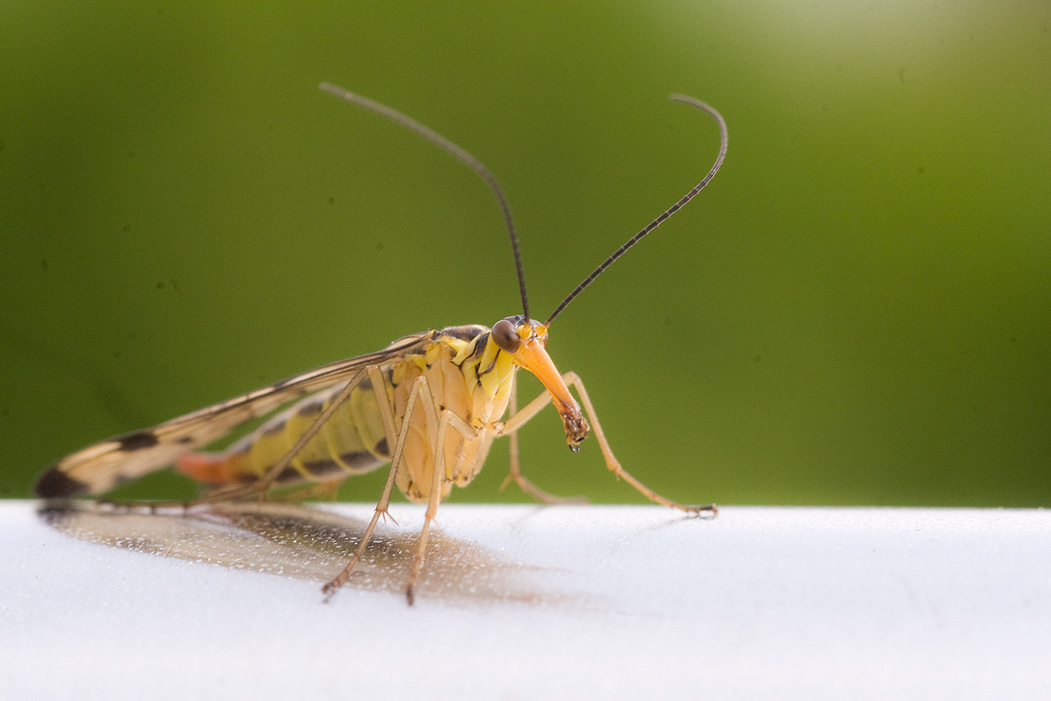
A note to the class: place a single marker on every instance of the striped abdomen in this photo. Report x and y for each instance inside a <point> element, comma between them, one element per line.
<point>351,442</point>
<point>459,371</point>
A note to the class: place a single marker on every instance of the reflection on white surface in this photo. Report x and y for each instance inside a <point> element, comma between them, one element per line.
<point>525,602</point>
<point>303,543</point>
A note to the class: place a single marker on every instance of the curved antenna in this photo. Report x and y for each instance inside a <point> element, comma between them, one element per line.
<point>667,213</point>
<point>451,148</point>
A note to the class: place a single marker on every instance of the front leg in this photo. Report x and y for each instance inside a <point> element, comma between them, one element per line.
<point>515,470</point>
<point>517,420</point>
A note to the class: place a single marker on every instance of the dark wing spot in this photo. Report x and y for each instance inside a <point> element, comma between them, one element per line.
<point>183,440</point>
<point>382,448</point>
<point>137,441</point>
<point>55,484</point>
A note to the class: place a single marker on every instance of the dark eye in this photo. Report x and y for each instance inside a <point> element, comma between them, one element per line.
<point>506,336</point>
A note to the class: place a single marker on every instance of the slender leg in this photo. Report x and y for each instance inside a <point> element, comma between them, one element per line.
<point>571,379</point>
<point>386,411</point>
<point>613,464</point>
<point>515,471</point>
<point>437,479</point>
<point>432,510</point>
<point>419,388</point>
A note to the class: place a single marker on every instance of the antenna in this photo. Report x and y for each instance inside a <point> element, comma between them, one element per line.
<point>461,155</point>
<point>723,140</point>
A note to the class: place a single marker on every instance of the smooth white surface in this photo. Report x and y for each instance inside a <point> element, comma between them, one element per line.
<point>523,602</point>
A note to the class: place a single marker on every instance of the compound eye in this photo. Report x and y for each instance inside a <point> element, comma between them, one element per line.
<point>506,336</point>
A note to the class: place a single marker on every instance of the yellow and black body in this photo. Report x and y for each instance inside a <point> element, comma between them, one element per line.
<point>430,404</point>
<point>468,373</point>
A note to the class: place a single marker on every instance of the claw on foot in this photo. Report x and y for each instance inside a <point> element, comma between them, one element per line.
<point>330,589</point>
<point>706,512</point>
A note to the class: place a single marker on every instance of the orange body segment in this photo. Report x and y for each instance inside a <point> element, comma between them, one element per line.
<point>210,468</point>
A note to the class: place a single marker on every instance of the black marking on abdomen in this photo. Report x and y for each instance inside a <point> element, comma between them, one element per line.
<point>314,407</point>
<point>359,459</point>
<point>275,429</point>
<point>320,470</point>
<point>289,475</point>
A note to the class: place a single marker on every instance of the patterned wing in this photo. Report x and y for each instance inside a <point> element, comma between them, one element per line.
<point>102,466</point>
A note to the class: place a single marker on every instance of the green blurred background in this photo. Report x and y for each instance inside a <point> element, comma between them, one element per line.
<point>857,311</point>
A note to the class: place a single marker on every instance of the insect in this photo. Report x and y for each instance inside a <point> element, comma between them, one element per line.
<point>429,404</point>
